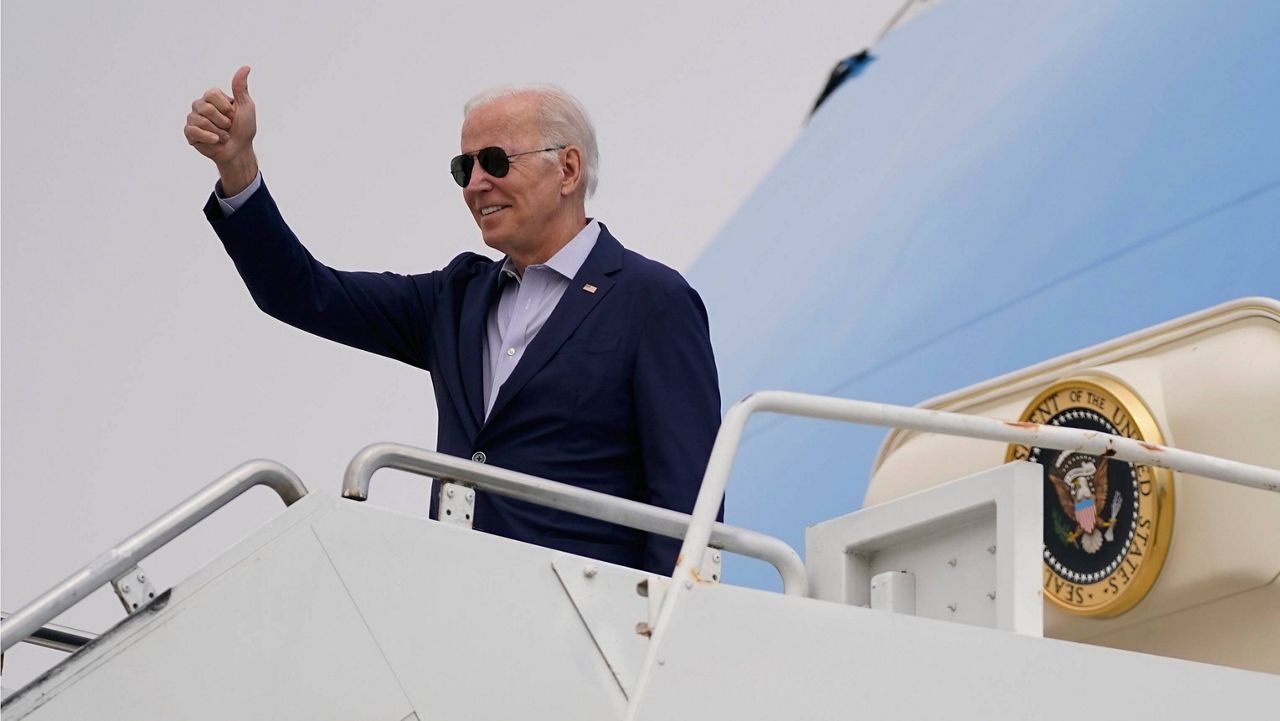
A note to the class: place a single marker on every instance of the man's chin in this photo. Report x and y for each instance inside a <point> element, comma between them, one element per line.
<point>498,241</point>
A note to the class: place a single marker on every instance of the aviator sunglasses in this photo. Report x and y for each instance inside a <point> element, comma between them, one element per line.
<point>495,162</point>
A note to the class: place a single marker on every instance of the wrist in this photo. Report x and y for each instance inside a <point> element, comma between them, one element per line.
<point>237,173</point>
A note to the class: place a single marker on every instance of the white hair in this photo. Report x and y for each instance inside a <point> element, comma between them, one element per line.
<point>561,118</point>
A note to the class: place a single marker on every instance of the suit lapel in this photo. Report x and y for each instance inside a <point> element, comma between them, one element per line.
<point>605,259</point>
<point>476,305</point>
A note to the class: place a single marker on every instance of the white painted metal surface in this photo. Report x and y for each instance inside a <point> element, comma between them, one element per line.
<point>473,625</point>
<point>973,546</point>
<point>894,591</point>
<point>732,653</point>
<point>609,602</point>
<point>340,610</point>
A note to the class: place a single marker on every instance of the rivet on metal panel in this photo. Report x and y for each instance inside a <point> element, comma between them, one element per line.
<point>642,588</point>
<point>952,563</point>
<point>991,550</point>
<point>662,662</point>
<point>449,492</point>
<point>644,629</point>
<point>688,584</point>
<point>471,496</point>
<point>951,607</point>
<point>590,571</point>
<point>991,595</point>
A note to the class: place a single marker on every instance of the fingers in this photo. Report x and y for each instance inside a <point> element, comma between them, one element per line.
<point>198,136</point>
<point>218,99</point>
<point>208,110</point>
<point>240,85</point>
<point>204,128</point>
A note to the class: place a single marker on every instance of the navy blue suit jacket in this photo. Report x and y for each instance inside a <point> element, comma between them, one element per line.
<point>617,393</point>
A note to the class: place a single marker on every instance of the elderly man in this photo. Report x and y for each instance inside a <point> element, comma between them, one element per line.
<point>571,358</point>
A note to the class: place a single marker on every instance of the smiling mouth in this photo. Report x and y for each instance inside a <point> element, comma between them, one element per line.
<point>491,209</point>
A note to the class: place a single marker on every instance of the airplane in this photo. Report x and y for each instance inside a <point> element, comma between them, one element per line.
<point>1039,218</point>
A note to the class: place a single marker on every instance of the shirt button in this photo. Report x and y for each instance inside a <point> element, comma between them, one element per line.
<point>511,351</point>
<point>478,457</point>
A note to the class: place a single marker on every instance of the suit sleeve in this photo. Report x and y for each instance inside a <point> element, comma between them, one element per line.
<point>677,396</point>
<point>384,313</point>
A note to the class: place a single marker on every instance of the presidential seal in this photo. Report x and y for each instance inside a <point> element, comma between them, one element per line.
<point>1106,522</point>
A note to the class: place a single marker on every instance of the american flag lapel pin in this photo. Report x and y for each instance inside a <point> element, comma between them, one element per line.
<point>589,288</point>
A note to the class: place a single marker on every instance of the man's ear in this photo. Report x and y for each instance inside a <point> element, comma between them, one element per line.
<point>570,170</point>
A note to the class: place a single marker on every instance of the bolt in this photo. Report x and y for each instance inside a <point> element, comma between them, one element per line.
<point>952,606</point>
<point>124,587</point>
<point>590,571</point>
<point>991,550</point>
<point>952,563</point>
<point>449,493</point>
<point>142,577</point>
<point>470,496</point>
<point>688,584</point>
<point>991,595</point>
<point>715,557</point>
<point>662,662</point>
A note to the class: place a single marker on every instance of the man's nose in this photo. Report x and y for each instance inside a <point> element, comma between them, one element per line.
<point>480,180</point>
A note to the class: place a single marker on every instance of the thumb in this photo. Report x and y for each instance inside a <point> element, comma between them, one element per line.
<point>240,84</point>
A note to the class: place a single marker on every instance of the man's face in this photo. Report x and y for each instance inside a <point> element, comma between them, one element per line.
<point>527,200</point>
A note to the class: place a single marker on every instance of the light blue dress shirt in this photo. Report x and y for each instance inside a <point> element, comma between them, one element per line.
<point>523,307</point>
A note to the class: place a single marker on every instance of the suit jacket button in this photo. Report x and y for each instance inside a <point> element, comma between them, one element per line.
<point>478,457</point>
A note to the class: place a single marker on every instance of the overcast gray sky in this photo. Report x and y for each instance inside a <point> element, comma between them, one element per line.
<point>135,367</point>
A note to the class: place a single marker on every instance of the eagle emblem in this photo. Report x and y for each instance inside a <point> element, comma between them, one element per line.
<point>1080,480</point>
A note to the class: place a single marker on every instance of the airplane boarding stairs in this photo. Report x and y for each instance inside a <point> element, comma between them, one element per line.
<point>336,609</point>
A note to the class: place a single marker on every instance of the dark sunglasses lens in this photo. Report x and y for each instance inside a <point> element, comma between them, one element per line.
<point>460,167</point>
<point>494,161</point>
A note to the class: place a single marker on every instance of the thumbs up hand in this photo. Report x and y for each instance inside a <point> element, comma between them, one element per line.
<point>222,127</point>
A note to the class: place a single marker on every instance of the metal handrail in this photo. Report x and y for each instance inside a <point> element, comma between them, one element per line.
<point>931,421</point>
<point>126,554</point>
<point>58,638</point>
<point>564,497</point>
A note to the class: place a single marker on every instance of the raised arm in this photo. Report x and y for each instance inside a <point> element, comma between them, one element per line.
<point>384,313</point>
